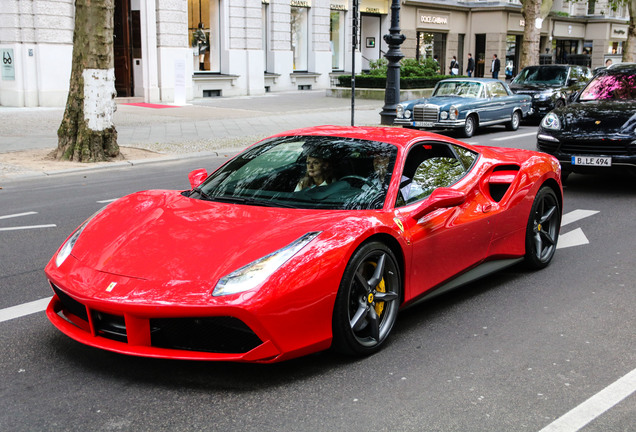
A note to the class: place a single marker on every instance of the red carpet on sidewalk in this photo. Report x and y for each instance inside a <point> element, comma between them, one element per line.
<point>149,105</point>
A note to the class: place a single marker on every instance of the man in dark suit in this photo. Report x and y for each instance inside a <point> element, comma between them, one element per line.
<point>495,66</point>
<point>471,65</point>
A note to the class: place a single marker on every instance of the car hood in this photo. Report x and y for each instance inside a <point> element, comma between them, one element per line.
<point>600,117</point>
<point>441,101</point>
<point>163,236</point>
<point>533,88</point>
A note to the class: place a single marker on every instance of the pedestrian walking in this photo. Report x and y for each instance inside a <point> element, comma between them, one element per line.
<point>495,66</point>
<point>454,66</point>
<point>471,65</point>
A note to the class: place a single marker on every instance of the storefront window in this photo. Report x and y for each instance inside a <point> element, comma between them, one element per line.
<point>337,30</point>
<point>203,34</point>
<point>615,48</point>
<point>299,23</point>
<point>432,45</point>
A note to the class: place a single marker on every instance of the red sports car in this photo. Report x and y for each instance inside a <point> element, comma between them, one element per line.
<point>310,239</point>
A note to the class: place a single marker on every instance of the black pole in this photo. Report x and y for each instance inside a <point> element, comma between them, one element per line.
<point>394,55</point>
<point>354,45</point>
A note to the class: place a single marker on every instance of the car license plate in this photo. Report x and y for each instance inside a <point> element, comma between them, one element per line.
<point>423,124</point>
<point>592,160</point>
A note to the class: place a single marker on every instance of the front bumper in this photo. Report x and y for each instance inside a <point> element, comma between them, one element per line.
<point>442,124</point>
<point>141,318</point>
<point>621,150</point>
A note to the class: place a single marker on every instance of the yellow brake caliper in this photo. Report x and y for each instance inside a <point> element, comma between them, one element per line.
<point>379,306</point>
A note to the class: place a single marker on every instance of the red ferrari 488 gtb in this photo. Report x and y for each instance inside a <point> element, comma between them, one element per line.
<point>309,239</point>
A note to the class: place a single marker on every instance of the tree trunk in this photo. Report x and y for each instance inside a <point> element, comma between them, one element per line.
<point>629,47</point>
<point>87,133</point>
<point>531,11</point>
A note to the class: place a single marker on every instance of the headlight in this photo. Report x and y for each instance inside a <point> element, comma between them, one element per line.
<point>453,112</point>
<point>407,114</point>
<point>551,121</point>
<point>399,111</point>
<point>257,272</point>
<point>67,247</point>
<point>542,96</point>
<point>443,115</point>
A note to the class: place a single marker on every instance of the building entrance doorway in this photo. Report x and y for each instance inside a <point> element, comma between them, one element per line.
<point>122,47</point>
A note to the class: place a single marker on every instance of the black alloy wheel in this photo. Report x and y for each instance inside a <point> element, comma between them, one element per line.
<point>542,232</point>
<point>368,300</point>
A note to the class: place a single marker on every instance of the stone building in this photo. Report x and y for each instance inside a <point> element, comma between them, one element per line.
<point>174,51</point>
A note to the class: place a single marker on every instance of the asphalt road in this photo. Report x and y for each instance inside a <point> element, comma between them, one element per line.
<point>512,352</point>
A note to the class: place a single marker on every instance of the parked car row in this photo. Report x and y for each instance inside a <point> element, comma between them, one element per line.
<point>588,121</point>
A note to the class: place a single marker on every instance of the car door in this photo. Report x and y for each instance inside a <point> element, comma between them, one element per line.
<point>505,103</point>
<point>446,241</point>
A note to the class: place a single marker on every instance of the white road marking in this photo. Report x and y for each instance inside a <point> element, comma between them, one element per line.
<point>514,136</point>
<point>27,227</point>
<point>18,215</point>
<point>576,215</point>
<point>592,408</point>
<point>572,238</point>
<point>107,201</point>
<point>24,309</point>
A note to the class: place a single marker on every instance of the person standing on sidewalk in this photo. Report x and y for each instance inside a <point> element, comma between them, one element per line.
<point>471,65</point>
<point>495,66</point>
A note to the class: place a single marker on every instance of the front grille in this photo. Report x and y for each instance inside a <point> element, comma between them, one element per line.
<point>109,326</point>
<point>211,334</point>
<point>429,113</point>
<point>547,146</point>
<point>597,147</point>
<point>70,305</point>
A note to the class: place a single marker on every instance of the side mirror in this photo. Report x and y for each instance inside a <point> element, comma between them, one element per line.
<point>572,81</point>
<point>197,176</point>
<point>440,198</point>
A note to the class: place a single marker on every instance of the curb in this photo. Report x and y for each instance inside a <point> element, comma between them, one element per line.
<point>122,164</point>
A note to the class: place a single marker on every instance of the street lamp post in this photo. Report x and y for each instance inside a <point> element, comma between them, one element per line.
<point>394,39</point>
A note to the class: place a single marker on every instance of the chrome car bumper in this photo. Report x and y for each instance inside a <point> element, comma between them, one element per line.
<point>446,124</point>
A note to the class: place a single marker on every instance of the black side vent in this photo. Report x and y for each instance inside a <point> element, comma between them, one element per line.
<point>500,179</point>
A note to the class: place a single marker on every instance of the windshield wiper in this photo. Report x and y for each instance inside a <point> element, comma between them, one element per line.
<point>203,194</point>
<point>250,201</point>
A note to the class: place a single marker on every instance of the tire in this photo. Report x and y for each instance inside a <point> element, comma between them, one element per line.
<point>514,122</point>
<point>469,127</point>
<point>368,300</point>
<point>542,232</point>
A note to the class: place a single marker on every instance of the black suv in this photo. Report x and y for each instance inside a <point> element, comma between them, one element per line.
<point>596,133</point>
<point>551,86</point>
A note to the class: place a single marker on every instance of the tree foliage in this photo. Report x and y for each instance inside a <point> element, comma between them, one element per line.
<point>538,9</point>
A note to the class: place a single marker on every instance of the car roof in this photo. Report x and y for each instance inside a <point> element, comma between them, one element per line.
<point>481,80</point>
<point>400,137</point>
<point>621,67</point>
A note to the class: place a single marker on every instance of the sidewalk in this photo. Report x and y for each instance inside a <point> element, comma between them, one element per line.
<point>215,124</point>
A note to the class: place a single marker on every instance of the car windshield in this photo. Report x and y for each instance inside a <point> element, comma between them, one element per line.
<point>542,75</point>
<point>614,86</point>
<point>313,172</point>
<point>468,89</point>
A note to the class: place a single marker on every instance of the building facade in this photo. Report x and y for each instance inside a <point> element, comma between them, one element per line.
<point>174,51</point>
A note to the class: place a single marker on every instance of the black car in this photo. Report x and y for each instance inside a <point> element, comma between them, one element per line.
<point>597,132</point>
<point>551,86</point>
